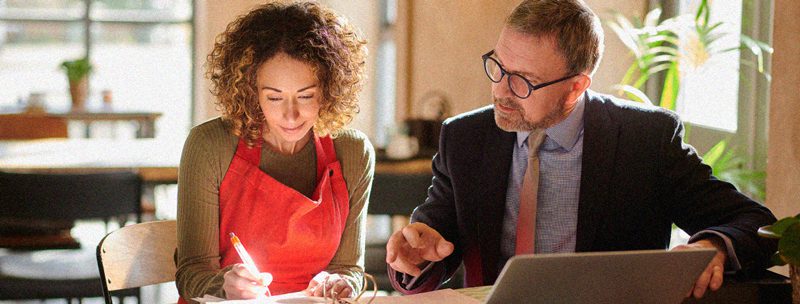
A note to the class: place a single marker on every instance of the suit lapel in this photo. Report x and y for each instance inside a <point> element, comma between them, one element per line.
<point>599,149</point>
<point>498,147</point>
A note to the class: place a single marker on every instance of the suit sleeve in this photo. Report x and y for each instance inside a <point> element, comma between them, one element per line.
<point>699,201</point>
<point>438,212</point>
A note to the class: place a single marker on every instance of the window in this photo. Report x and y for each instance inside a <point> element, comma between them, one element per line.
<point>386,71</point>
<point>714,108</point>
<point>141,50</point>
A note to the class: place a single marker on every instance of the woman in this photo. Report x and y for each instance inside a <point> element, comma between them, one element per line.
<point>278,168</point>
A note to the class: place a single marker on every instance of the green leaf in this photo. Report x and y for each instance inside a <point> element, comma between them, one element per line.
<point>651,20</point>
<point>629,74</point>
<point>756,48</point>
<point>752,65</point>
<point>703,13</point>
<point>669,95</point>
<point>669,50</point>
<point>634,93</point>
<point>77,69</point>
<point>713,155</point>
<point>767,232</point>
<point>626,39</point>
<point>779,227</point>
<point>660,39</point>
<point>777,259</point>
<point>789,245</point>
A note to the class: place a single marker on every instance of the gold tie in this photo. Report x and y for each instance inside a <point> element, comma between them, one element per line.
<point>526,219</point>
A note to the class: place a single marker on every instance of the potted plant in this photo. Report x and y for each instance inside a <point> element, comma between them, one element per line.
<point>672,47</point>
<point>78,75</point>
<point>787,230</point>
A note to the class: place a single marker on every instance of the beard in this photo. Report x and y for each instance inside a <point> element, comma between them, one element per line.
<point>516,121</point>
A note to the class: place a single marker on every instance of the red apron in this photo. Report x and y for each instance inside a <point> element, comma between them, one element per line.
<point>287,234</point>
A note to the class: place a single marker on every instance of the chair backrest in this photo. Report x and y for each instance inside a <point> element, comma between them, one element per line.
<point>31,126</point>
<point>69,196</point>
<point>397,193</point>
<point>137,255</point>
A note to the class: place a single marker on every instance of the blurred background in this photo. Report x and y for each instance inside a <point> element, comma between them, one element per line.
<point>147,88</point>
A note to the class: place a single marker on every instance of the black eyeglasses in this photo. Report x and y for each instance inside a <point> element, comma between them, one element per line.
<point>519,85</point>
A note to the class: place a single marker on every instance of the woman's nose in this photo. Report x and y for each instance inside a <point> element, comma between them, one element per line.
<point>290,110</point>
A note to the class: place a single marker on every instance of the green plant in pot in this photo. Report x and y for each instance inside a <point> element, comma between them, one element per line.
<point>78,71</point>
<point>787,231</point>
<point>673,47</point>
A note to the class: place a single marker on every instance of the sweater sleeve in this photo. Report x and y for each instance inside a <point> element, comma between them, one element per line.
<point>200,174</point>
<point>357,157</point>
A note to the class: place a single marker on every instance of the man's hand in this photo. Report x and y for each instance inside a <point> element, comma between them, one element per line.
<point>413,245</point>
<point>712,276</point>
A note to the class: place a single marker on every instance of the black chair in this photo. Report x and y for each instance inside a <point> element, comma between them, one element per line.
<point>396,195</point>
<point>35,210</point>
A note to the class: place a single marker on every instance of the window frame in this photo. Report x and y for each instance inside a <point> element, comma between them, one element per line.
<point>750,138</point>
<point>87,21</point>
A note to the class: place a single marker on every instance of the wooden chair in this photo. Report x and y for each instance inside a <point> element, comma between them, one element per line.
<point>58,200</point>
<point>32,126</point>
<point>136,256</point>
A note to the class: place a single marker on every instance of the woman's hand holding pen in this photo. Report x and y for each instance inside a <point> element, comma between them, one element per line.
<point>328,285</point>
<point>240,283</point>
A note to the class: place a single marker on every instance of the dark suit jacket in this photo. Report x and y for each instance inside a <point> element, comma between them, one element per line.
<point>637,178</point>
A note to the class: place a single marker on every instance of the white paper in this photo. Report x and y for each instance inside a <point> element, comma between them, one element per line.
<point>433,297</point>
<point>295,297</point>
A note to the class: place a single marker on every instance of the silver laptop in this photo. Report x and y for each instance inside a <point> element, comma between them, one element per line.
<point>644,276</point>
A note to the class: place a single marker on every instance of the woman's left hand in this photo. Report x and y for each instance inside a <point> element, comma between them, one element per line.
<point>330,285</point>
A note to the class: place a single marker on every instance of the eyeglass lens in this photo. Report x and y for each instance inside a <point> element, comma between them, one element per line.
<point>518,84</point>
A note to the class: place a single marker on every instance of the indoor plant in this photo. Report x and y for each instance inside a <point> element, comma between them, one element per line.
<point>787,230</point>
<point>78,75</point>
<point>673,47</point>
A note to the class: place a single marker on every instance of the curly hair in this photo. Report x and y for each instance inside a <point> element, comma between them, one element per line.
<point>306,31</point>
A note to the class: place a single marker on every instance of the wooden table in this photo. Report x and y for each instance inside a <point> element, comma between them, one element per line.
<point>155,161</point>
<point>145,120</point>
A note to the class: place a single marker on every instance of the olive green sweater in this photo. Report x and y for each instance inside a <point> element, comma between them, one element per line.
<point>208,152</point>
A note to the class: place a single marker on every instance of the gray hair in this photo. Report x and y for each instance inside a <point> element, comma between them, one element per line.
<point>571,23</point>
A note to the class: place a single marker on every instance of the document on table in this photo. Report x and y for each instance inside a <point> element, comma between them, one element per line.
<point>433,297</point>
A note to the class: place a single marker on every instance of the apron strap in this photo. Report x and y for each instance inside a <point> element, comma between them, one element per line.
<point>326,153</point>
<point>251,154</point>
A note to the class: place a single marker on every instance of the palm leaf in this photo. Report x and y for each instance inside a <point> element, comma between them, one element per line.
<point>634,94</point>
<point>669,94</point>
<point>715,153</point>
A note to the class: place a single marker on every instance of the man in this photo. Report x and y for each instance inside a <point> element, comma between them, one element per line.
<point>608,175</point>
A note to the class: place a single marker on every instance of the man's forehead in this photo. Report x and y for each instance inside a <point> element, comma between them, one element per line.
<point>524,53</point>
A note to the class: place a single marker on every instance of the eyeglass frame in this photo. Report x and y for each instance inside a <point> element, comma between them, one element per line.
<point>503,72</point>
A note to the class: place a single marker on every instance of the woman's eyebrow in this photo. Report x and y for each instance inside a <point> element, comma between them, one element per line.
<point>306,88</point>
<point>280,91</point>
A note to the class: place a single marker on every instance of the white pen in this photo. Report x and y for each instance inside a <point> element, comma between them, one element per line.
<point>246,259</point>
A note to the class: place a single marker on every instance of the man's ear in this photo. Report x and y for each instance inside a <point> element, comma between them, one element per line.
<point>580,84</point>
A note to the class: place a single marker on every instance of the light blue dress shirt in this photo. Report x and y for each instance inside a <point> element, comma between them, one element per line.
<point>559,186</point>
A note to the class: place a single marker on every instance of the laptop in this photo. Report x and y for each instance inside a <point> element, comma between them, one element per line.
<point>643,276</point>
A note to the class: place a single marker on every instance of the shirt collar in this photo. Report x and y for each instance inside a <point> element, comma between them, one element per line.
<point>564,133</point>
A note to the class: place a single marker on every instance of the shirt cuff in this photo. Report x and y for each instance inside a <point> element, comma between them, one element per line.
<point>732,263</point>
<point>410,281</point>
